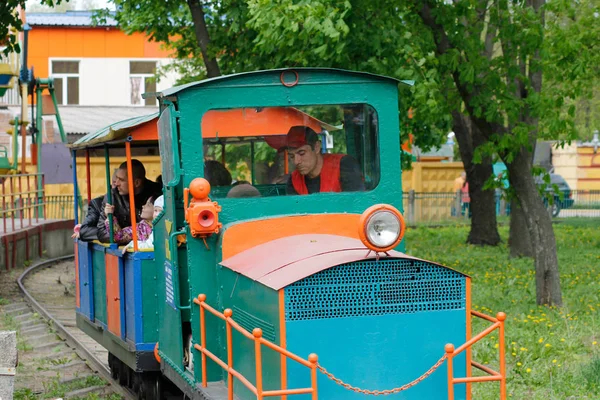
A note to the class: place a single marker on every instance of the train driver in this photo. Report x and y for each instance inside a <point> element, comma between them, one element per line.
<point>316,172</point>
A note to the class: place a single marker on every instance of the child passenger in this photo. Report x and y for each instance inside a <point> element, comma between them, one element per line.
<point>148,243</point>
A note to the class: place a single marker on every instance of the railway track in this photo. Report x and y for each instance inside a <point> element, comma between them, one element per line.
<point>56,359</point>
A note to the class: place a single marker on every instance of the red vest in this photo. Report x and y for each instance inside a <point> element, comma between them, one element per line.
<point>330,176</point>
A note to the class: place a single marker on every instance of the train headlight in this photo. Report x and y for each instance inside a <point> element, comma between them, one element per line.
<point>381,227</point>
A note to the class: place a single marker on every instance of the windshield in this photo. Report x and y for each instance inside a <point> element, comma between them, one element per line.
<point>277,151</point>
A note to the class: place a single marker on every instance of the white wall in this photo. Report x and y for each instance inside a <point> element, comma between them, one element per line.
<point>105,81</point>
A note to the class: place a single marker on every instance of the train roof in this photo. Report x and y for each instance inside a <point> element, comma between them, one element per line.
<point>177,89</point>
<point>141,128</point>
<point>300,256</point>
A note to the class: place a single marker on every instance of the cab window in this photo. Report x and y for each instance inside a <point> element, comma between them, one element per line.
<point>277,151</point>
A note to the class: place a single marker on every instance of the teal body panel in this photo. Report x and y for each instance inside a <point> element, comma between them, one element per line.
<point>169,329</point>
<point>261,89</point>
<point>378,353</point>
<point>99,278</point>
<point>254,306</point>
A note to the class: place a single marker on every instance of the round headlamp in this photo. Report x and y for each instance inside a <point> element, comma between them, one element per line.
<point>381,227</point>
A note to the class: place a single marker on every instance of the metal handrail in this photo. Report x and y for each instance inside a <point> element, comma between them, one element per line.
<point>451,352</point>
<point>259,341</point>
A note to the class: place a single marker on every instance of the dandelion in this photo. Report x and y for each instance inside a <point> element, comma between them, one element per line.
<point>562,339</point>
<point>548,345</point>
<point>519,364</point>
<point>554,361</point>
<point>594,343</point>
<point>528,370</point>
<point>541,340</point>
<point>523,349</point>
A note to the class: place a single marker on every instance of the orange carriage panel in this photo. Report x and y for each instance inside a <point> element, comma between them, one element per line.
<point>113,294</point>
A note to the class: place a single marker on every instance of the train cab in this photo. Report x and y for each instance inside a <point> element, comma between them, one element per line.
<point>294,259</point>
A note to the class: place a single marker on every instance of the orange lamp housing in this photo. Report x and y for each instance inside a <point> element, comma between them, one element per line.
<point>202,215</point>
<point>371,225</point>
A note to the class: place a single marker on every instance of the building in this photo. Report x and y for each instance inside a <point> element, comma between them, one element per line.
<point>99,71</point>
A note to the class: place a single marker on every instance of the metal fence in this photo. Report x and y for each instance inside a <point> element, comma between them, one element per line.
<point>447,207</point>
<point>23,203</point>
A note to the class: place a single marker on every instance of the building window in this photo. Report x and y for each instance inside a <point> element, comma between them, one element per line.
<point>142,80</point>
<point>66,81</point>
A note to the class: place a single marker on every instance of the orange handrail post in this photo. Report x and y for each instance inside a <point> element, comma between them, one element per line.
<point>469,333</point>
<point>449,356</point>
<point>228,313</point>
<point>131,195</point>
<point>314,359</point>
<point>202,298</point>
<point>257,333</point>
<point>501,317</point>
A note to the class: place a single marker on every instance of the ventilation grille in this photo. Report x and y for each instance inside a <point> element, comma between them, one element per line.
<point>249,322</point>
<point>375,288</point>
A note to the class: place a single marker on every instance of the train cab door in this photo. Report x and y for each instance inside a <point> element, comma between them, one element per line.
<point>167,247</point>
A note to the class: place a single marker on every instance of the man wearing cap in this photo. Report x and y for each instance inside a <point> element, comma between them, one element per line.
<point>316,172</point>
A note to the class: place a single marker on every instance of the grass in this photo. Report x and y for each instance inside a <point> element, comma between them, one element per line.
<point>551,353</point>
<point>54,389</point>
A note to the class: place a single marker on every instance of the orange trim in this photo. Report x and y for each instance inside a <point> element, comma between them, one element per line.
<point>156,355</point>
<point>364,220</point>
<point>131,196</point>
<point>282,340</point>
<point>147,131</point>
<point>469,330</point>
<point>449,357</point>
<point>88,175</point>
<point>270,121</point>
<point>243,236</point>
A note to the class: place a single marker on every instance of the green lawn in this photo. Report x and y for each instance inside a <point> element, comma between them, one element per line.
<point>551,353</point>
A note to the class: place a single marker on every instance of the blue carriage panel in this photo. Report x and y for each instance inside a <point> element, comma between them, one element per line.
<point>134,317</point>
<point>86,281</point>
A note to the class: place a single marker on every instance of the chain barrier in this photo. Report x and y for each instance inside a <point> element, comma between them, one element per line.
<point>383,392</point>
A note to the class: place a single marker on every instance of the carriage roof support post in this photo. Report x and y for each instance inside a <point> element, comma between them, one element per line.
<point>75,187</point>
<point>111,235</point>
<point>88,175</point>
<point>131,195</point>
<point>38,137</point>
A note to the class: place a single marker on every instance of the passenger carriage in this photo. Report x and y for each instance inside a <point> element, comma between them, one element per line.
<point>267,296</point>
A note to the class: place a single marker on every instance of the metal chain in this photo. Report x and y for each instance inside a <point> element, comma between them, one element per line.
<point>383,392</point>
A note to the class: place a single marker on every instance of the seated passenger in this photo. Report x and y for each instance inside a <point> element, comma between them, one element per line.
<point>316,172</point>
<point>243,189</point>
<point>144,190</point>
<point>216,174</point>
<point>143,227</point>
<point>88,230</point>
<point>149,242</point>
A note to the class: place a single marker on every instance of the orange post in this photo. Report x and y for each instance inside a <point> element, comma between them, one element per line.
<point>88,175</point>
<point>469,330</point>
<point>314,359</point>
<point>449,356</point>
<point>282,341</point>
<point>202,298</point>
<point>257,332</point>
<point>501,317</point>
<point>228,313</point>
<point>131,195</point>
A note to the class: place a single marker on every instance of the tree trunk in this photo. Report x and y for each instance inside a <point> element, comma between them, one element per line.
<point>539,225</point>
<point>484,227</point>
<point>519,241</point>
<point>202,37</point>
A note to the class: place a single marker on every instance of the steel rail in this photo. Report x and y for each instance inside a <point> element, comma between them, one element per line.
<point>94,362</point>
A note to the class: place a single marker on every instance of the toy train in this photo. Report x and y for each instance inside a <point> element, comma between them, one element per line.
<point>253,290</point>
